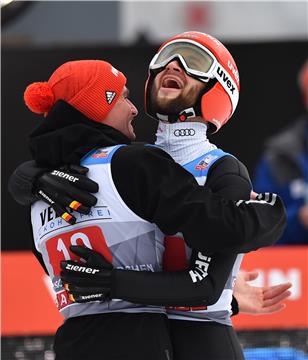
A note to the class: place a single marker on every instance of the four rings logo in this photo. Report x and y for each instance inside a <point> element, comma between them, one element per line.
<point>184,132</point>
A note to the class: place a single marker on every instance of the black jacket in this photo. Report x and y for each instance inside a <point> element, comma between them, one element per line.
<point>161,191</point>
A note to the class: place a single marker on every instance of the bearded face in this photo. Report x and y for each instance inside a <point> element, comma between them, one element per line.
<point>173,90</point>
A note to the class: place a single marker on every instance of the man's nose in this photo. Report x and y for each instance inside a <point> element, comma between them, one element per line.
<point>134,110</point>
<point>174,65</point>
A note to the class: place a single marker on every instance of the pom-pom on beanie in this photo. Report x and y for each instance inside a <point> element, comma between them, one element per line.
<point>91,86</point>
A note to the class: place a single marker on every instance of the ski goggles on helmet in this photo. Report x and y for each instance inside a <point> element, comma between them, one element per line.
<point>197,60</point>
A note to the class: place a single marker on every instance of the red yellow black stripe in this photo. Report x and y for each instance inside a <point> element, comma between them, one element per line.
<point>74,205</point>
<point>66,216</point>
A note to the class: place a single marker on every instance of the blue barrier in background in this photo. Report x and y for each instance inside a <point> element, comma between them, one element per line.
<point>274,354</point>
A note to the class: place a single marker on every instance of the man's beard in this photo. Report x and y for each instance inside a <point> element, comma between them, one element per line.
<point>171,106</point>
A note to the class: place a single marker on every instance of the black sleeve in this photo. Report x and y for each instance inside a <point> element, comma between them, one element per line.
<point>193,287</point>
<point>22,180</point>
<point>234,306</point>
<point>162,192</point>
<point>230,178</point>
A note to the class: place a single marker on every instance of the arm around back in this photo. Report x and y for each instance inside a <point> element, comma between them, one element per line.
<point>161,191</point>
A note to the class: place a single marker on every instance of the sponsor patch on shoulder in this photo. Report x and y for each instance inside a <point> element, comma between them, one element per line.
<point>204,163</point>
<point>99,154</point>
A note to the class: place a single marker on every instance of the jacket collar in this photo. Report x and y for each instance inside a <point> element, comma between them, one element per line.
<point>66,135</point>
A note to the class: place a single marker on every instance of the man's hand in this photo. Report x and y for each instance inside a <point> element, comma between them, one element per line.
<point>87,281</point>
<point>259,300</point>
<point>67,187</point>
<point>253,195</point>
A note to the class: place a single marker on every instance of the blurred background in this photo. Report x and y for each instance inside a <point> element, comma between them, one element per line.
<point>269,43</point>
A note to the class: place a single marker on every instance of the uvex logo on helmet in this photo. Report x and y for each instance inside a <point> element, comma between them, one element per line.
<point>225,78</point>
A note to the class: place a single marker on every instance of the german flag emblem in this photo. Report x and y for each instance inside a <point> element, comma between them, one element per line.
<point>74,205</point>
<point>66,216</point>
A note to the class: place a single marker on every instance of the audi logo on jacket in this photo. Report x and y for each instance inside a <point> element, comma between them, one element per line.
<point>184,132</point>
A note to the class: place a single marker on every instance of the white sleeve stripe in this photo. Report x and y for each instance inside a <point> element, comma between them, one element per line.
<point>265,198</point>
<point>274,198</point>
